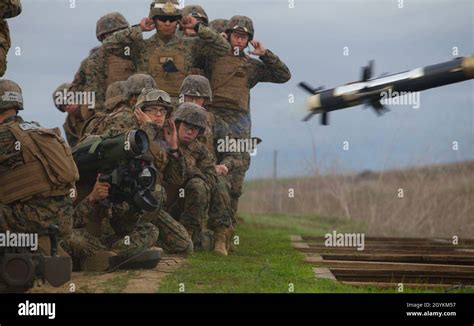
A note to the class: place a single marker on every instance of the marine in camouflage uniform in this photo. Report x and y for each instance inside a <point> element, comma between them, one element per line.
<point>108,63</point>
<point>189,201</point>
<point>121,233</point>
<point>8,9</point>
<point>197,89</point>
<point>75,119</point>
<point>38,175</point>
<point>219,25</point>
<point>232,76</point>
<point>166,56</point>
<point>197,12</point>
<point>80,77</point>
<point>30,197</point>
<point>172,236</point>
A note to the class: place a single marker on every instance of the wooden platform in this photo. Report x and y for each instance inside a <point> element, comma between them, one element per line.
<point>387,262</point>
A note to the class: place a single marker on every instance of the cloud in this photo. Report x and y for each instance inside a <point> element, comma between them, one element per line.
<point>54,38</point>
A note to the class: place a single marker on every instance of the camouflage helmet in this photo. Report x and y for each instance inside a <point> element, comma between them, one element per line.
<point>241,24</point>
<point>10,95</point>
<point>110,23</point>
<point>165,8</point>
<point>196,86</point>
<point>59,92</point>
<point>192,114</point>
<point>114,95</point>
<point>135,83</point>
<point>219,25</point>
<point>197,12</point>
<point>153,97</point>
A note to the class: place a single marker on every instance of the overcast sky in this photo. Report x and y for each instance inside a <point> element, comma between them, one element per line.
<point>53,38</point>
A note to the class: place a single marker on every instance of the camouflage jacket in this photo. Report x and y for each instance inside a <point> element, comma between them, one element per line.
<point>96,76</point>
<point>10,156</point>
<point>207,44</point>
<point>73,127</point>
<point>214,134</point>
<point>8,9</point>
<point>170,168</point>
<point>80,77</point>
<point>200,163</point>
<point>269,69</point>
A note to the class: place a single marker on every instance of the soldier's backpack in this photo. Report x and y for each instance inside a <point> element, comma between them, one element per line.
<point>48,169</point>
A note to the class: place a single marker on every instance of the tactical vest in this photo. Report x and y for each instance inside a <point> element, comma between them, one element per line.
<point>48,169</point>
<point>118,69</point>
<point>230,83</point>
<point>169,82</point>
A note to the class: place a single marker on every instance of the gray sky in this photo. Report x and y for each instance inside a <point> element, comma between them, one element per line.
<point>53,39</point>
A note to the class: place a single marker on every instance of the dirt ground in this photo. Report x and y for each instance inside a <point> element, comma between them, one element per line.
<point>138,281</point>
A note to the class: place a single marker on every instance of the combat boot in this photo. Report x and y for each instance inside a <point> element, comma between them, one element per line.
<point>220,241</point>
<point>230,239</point>
<point>144,259</point>
<point>99,262</point>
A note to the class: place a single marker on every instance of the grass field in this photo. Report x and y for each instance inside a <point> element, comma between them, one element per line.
<point>429,201</point>
<point>265,262</point>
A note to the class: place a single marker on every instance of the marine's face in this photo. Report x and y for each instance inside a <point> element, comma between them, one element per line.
<point>187,133</point>
<point>156,113</point>
<point>239,40</point>
<point>166,25</point>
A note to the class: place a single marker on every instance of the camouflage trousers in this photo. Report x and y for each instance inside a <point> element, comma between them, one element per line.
<point>220,211</point>
<point>118,228</point>
<point>173,237</point>
<point>126,233</point>
<point>240,125</point>
<point>80,244</point>
<point>36,214</point>
<point>144,236</point>
<point>191,210</point>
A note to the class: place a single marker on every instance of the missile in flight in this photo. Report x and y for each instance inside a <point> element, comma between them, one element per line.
<point>369,91</point>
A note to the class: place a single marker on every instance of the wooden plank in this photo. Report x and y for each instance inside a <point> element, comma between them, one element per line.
<point>395,285</point>
<point>400,246</point>
<point>385,255</point>
<point>461,241</point>
<point>345,250</point>
<point>323,273</point>
<point>390,272</point>
<point>409,258</point>
<point>296,238</point>
<point>314,257</point>
<point>300,245</point>
<point>369,265</point>
<point>391,276</point>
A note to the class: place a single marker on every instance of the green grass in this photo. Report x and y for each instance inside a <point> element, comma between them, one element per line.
<point>265,262</point>
<point>118,283</point>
